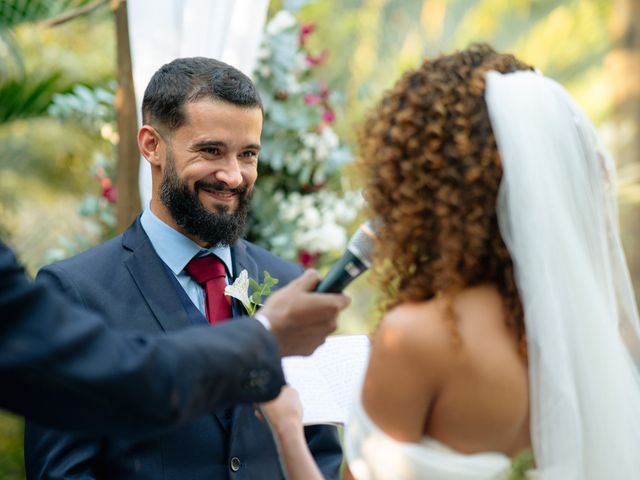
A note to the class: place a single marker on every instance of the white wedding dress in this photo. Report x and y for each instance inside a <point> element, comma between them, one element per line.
<point>557,213</point>
<point>374,455</point>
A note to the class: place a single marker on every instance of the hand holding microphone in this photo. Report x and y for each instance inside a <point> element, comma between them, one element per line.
<point>300,318</point>
<point>304,312</point>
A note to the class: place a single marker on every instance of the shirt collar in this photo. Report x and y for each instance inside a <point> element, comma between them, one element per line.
<point>175,249</point>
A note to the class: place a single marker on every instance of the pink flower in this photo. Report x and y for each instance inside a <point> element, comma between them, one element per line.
<point>328,117</point>
<point>317,98</point>
<point>307,259</point>
<point>316,60</point>
<point>312,99</point>
<point>305,30</point>
<point>110,194</point>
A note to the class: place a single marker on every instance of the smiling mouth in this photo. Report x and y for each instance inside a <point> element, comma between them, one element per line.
<point>221,195</point>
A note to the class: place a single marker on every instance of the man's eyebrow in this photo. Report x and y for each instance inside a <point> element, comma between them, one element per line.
<point>217,143</point>
<point>207,143</point>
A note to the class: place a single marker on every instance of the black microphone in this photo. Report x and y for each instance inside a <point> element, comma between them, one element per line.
<point>355,260</point>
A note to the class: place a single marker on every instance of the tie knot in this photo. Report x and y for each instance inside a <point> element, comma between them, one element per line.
<point>203,269</point>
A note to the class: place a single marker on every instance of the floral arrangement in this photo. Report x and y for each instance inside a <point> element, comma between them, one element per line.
<point>302,209</point>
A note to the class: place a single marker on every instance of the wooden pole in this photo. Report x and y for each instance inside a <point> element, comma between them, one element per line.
<point>623,68</point>
<point>128,204</point>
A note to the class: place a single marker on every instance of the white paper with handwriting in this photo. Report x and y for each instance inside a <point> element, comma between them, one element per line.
<point>329,380</point>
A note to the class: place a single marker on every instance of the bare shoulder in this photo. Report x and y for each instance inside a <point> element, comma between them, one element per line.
<point>418,331</point>
<point>448,367</point>
<point>431,330</point>
<point>410,359</point>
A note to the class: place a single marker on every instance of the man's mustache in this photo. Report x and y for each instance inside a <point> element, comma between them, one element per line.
<point>220,187</point>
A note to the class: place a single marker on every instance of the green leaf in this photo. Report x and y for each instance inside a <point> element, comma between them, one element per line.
<point>521,464</point>
<point>269,281</point>
<point>256,298</point>
<point>27,97</point>
<point>16,12</point>
<point>255,286</point>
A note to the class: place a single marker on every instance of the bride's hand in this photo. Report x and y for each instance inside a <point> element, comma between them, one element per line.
<point>285,418</point>
<point>285,412</point>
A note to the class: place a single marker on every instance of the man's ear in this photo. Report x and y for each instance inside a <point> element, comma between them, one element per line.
<point>149,144</point>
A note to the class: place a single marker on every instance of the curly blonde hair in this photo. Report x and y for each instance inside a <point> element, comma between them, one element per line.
<point>432,170</point>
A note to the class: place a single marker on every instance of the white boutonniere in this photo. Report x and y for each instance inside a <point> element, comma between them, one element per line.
<point>240,290</point>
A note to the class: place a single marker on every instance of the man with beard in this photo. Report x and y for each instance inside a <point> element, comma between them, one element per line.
<point>201,135</point>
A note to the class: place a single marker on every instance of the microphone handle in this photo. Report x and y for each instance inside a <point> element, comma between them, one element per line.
<point>341,274</point>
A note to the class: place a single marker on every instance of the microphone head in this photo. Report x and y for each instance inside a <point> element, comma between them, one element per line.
<point>362,242</point>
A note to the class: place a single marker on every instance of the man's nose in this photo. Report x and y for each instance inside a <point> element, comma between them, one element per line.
<point>229,172</point>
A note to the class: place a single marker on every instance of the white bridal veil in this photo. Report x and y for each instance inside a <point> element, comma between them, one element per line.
<point>558,217</point>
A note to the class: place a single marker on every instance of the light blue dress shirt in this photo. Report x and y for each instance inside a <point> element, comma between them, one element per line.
<point>176,250</point>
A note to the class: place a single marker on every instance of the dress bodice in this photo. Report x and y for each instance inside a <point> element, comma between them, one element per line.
<point>374,455</point>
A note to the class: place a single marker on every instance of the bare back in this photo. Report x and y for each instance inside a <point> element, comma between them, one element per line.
<point>472,396</point>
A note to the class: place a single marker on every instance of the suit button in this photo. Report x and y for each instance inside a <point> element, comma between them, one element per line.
<point>235,464</point>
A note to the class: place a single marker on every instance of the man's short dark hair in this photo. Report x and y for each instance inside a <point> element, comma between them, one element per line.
<point>189,80</point>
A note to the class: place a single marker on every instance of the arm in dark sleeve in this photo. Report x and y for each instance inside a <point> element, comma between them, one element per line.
<point>62,366</point>
<point>53,455</point>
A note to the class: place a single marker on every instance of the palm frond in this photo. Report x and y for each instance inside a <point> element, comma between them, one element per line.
<point>10,50</point>
<point>16,12</point>
<point>23,97</point>
<point>13,13</point>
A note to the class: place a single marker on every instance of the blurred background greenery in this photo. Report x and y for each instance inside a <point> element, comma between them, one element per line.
<point>50,161</point>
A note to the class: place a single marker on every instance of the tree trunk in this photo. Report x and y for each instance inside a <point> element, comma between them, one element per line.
<point>623,67</point>
<point>128,205</point>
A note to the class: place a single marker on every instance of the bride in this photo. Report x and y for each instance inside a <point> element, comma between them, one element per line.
<point>511,331</point>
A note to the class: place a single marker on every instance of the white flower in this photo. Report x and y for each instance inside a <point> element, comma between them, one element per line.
<point>265,71</point>
<point>330,137</point>
<point>300,64</point>
<point>281,21</point>
<point>310,219</point>
<point>293,86</point>
<point>335,237</point>
<point>320,218</point>
<point>324,238</point>
<point>240,289</point>
<point>306,156</point>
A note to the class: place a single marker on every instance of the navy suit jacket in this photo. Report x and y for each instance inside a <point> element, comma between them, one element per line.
<point>125,279</point>
<point>61,365</point>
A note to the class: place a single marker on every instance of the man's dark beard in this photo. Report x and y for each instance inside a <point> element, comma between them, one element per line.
<point>216,229</point>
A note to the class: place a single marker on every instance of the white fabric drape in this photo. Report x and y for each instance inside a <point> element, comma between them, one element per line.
<point>558,218</point>
<point>374,455</point>
<point>162,30</point>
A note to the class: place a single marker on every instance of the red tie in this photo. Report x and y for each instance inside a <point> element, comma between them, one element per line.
<point>210,274</point>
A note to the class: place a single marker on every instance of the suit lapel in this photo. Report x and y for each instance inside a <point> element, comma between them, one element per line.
<point>242,261</point>
<point>150,276</point>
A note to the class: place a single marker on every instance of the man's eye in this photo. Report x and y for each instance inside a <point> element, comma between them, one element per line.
<point>211,150</point>
<point>249,153</point>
